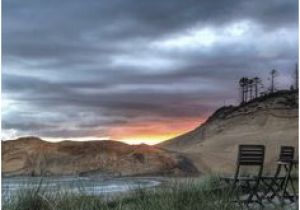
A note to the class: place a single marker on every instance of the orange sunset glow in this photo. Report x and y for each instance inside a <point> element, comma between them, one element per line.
<point>153,132</point>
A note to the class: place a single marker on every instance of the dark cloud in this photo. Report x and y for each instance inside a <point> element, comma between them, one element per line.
<point>73,69</point>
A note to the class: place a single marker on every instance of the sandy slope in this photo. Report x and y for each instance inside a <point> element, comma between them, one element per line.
<point>272,121</point>
<point>35,157</point>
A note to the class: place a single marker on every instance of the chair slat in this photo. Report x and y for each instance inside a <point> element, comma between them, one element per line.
<point>286,153</point>
<point>251,163</point>
<point>251,155</point>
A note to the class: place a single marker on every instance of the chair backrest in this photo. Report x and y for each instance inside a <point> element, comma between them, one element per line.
<point>251,155</point>
<point>286,153</point>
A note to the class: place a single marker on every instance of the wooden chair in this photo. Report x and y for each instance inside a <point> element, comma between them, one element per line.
<point>277,183</point>
<point>286,153</point>
<point>248,155</point>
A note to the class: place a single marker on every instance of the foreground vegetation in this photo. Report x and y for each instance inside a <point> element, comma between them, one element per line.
<point>177,195</point>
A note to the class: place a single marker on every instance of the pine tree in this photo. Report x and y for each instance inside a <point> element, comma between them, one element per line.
<point>273,76</point>
<point>257,82</point>
<point>243,83</point>
<point>296,77</point>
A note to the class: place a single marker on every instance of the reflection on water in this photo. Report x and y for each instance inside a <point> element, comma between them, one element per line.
<point>85,185</point>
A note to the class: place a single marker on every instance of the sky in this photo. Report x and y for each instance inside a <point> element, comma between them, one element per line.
<point>138,71</point>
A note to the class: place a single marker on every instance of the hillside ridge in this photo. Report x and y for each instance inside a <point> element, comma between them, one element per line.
<point>270,103</point>
<point>32,156</point>
<point>271,120</point>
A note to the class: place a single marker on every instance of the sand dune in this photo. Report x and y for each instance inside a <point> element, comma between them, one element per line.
<point>34,157</point>
<point>272,121</point>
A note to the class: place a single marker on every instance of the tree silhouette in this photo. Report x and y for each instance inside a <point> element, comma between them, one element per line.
<point>250,85</point>
<point>256,82</point>
<point>274,74</point>
<point>249,88</point>
<point>243,85</point>
<point>242,88</point>
<point>246,89</point>
<point>296,77</point>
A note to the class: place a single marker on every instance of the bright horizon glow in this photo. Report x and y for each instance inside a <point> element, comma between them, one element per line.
<point>148,139</point>
<point>154,132</point>
<point>87,138</point>
<point>141,133</point>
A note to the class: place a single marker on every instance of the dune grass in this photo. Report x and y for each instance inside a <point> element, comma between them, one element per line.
<point>175,195</point>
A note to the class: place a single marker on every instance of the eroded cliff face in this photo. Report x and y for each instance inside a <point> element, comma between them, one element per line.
<point>271,120</point>
<point>34,157</point>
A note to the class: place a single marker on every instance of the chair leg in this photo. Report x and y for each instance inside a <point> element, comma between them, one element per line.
<point>293,190</point>
<point>254,194</point>
<point>279,188</point>
<point>269,188</point>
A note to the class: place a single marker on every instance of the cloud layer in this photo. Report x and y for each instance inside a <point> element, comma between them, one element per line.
<point>136,70</point>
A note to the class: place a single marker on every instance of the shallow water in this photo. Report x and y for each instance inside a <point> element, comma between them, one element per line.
<point>83,185</point>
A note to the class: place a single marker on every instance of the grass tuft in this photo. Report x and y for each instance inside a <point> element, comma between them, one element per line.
<point>187,194</point>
